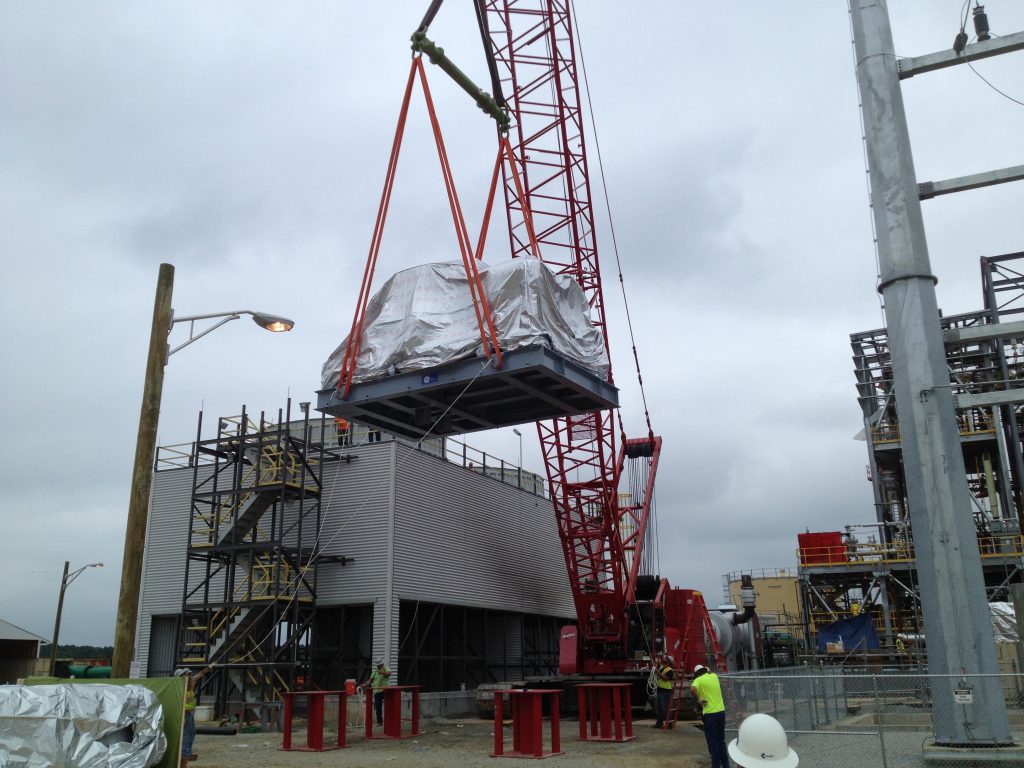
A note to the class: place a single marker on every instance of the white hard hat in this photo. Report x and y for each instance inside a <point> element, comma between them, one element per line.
<point>182,671</point>
<point>699,668</point>
<point>762,741</point>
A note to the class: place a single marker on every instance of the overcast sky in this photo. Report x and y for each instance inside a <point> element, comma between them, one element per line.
<point>246,143</point>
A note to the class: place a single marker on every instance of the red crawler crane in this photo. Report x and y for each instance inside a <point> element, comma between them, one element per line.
<point>625,615</point>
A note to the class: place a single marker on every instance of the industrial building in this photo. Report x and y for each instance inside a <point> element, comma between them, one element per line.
<point>19,651</point>
<point>872,567</point>
<point>293,551</point>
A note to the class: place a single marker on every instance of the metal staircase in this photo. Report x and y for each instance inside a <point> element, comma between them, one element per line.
<point>251,570</point>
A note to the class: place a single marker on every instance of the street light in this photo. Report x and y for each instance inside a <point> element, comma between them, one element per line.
<point>520,436</point>
<point>64,582</point>
<point>265,320</point>
<point>145,448</point>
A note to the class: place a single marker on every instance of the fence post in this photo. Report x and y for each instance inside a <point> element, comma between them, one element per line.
<point>812,704</point>
<point>878,720</point>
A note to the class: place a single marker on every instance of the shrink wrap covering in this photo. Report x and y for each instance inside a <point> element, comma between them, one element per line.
<point>86,726</point>
<point>423,317</point>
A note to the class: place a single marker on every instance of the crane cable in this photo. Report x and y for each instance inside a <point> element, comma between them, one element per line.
<point>611,227</point>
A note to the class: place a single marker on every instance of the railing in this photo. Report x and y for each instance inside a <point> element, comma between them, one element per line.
<point>852,554</point>
<point>989,546</point>
<point>181,455</point>
<point>972,422</point>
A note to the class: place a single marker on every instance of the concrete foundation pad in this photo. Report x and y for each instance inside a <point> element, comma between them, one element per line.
<point>934,754</point>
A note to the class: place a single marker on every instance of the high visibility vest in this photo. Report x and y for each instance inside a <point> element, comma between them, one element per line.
<point>665,675</point>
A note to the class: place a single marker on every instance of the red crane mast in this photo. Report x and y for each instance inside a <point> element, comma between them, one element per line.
<point>533,46</point>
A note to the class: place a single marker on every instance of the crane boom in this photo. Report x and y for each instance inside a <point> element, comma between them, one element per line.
<point>533,46</point>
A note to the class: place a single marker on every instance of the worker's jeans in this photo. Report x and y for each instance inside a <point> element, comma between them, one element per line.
<point>714,732</point>
<point>188,735</point>
<point>378,707</point>
<point>663,697</point>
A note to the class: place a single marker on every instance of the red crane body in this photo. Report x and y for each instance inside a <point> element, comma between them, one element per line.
<point>532,43</point>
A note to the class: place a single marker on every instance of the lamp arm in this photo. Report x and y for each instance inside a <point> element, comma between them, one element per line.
<point>233,315</point>
<point>192,336</point>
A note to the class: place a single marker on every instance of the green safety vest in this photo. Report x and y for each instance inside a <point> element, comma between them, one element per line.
<point>710,691</point>
<point>379,680</point>
<point>668,673</point>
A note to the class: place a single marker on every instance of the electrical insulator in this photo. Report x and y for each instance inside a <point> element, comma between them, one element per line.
<point>981,23</point>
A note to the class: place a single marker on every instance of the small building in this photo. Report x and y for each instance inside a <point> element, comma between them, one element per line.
<point>293,553</point>
<point>19,650</point>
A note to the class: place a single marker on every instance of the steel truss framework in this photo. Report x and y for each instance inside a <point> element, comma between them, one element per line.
<point>533,45</point>
<point>448,647</point>
<point>250,573</point>
<point>877,569</point>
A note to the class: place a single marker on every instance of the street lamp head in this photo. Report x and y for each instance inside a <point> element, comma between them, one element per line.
<point>272,322</point>
<point>517,431</point>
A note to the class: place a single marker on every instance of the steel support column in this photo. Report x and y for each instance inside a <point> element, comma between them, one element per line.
<point>957,624</point>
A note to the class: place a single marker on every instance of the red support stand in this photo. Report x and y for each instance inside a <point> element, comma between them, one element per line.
<point>314,721</point>
<point>604,705</point>
<point>527,723</point>
<point>393,713</point>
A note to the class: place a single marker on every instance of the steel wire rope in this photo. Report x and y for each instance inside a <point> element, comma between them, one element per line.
<point>611,224</point>
<point>318,549</point>
<point>652,522</point>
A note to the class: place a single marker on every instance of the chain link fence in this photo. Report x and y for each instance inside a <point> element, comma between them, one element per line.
<point>841,717</point>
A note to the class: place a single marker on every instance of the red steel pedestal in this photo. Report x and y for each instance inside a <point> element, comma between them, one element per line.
<point>393,713</point>
<point>608,709</point>
<point>527,723</point>
<point>314,721</point>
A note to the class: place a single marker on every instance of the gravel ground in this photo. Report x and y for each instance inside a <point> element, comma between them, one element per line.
<point>445,743</point>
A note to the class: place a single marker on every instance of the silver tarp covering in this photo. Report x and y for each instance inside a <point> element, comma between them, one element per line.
<point>85,726</point>
<point>1004,622</point>
<point>423,317</point>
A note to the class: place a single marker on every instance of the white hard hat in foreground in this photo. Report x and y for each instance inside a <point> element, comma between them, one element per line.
<point>762,742</point>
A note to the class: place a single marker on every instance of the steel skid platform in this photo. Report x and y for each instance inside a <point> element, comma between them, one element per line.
<point>532,384</point>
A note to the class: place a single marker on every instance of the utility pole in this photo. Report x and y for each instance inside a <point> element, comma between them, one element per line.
<point>142,477</point>
<point>56,623</point>
<point>956,614</point>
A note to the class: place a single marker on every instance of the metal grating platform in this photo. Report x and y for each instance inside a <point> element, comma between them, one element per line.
<point>533,384</point>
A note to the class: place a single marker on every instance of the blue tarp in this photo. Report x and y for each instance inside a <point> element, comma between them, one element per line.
<point>857,633</point>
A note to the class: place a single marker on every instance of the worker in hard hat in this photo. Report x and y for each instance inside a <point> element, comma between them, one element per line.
<point>665,673</point>
<point>188,732</point>
<point>342,428</point>
<point>762,742</point>
<point>379,679</point>
<point>708,692</point>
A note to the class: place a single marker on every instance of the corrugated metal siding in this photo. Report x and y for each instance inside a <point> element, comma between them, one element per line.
<point>460,538</point>
<point>162,646</point>
<point>465,539</point>
<point>355,505</point>
<point>163,567</point>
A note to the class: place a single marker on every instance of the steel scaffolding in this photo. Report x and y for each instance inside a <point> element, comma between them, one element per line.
<point>250,585</point>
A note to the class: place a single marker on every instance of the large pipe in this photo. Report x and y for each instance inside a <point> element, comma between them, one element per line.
<point>747,599</point>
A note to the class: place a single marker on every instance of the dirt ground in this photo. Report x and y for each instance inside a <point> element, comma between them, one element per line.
<point>464,742</point>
